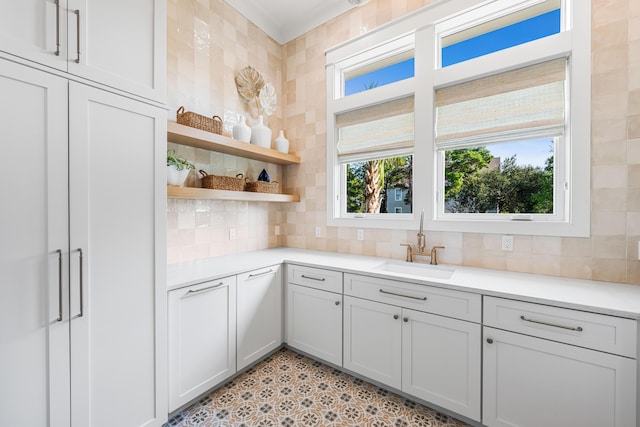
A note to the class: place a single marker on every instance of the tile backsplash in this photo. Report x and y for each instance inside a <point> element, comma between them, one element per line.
<point>209,42</point>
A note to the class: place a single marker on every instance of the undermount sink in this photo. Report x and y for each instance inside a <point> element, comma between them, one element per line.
<point>417,269</point>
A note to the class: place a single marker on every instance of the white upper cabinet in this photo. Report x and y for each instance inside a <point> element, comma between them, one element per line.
<point>35,30</point>
<point>118,43</point>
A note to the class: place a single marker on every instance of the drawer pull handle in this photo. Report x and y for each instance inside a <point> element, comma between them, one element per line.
<point>77,12</point>
<point>57,3</point>
<point>319,279</point>
<point>261,273</point>
<point>59,318</point>
<point>208,288</point>
<point>571,328</point>
<point>382,291</point>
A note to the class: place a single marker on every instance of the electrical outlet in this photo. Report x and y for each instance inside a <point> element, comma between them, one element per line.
<point>360,234</point>
<point>507,243</point>
<point>318,231</point>
<point>277,230</point>
<point>233,234</point>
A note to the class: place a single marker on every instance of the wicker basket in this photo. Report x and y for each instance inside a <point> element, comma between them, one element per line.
<point>262,187</point>
<point>217,182</point>
<point>198,121</point>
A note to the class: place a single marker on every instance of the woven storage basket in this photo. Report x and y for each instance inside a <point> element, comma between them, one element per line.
<point>217,182</point>
<point>262,187</point>
<point>198,121</point>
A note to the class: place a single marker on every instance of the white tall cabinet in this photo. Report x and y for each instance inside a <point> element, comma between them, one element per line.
<point>34,291</point>
<point>82,296</point>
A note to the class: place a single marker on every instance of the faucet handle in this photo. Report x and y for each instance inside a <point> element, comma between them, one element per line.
<point>409,252</point>
<point>434,255</point>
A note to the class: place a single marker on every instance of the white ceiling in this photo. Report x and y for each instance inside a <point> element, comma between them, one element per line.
<point>284,20</point>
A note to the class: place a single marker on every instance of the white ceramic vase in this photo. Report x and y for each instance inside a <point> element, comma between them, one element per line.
<point>261,134</point>
<point>241,131</point>
<point>176,177</point>
<point>282,143</point>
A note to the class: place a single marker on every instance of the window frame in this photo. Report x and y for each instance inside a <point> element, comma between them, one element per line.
<point>573,41</point>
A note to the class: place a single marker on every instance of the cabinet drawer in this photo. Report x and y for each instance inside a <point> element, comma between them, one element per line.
<point>317,278</point>
<point>460,305</point>
<point>596,331</point>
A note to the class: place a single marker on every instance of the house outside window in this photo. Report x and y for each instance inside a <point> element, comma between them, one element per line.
<point>498,90</point>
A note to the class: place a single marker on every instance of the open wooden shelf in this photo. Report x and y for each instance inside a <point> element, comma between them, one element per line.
<point>205,193</point>
<point>185,135</point>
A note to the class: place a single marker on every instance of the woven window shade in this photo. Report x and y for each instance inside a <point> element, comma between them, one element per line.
<point>527,101</point>
<point>380,131</point>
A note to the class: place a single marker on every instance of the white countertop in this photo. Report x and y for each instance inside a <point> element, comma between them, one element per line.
<point>600,297</point>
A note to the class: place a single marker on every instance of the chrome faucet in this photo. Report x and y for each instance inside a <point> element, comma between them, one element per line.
<point>422,244</point>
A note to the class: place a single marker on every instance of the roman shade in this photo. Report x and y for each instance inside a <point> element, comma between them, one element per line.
<point>378,131</point>
<point>527,102</point>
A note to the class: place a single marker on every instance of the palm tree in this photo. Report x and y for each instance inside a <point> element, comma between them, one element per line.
<point>374,174</point>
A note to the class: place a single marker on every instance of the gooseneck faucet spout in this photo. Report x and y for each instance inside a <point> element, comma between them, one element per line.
<point>422,241</point>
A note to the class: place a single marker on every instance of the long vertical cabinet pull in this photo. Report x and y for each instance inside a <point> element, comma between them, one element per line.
<point>59,319</point>
<point>77,12</point>
<point>81,284</point>
<point>57,3</point>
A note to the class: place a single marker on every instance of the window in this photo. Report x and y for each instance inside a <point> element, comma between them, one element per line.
<point>499,94</point>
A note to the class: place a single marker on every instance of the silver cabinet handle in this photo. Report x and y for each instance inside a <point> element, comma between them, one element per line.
<point>77,12</point>
<point>489,340</point>
<point>208,288</point>
<point>262,273</point>
<point>382,291</point>
<point>57,3</point>
<point>571,328</point>
<point>321,279</point>
<point>395,316</point>
<point>405,319</point>
<point>81,261</point>
<point>59,319</point>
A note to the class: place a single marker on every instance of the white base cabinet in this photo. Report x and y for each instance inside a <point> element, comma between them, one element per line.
<point>202,339</point>
<point>556,367</point>
<point>429,356</point>
<point>259,314</point>
<point>531,382</point>
<point>314,312</point>
<point>373,340</point>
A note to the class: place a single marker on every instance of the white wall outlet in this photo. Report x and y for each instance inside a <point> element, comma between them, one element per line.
<point>360,234</point>
<point>507,243</point>
<point>233,234</point>
<point>277,230</point>
<point>318,231</point>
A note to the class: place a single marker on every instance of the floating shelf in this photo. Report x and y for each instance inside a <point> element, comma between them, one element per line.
<point>192,137</point>
<point>207,194</point>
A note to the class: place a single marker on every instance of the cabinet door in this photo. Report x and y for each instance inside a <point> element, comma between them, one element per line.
<point>120,43</point>
<point>118,292</point>
<point>531,382</point>
<point>34,320</point>
<point>314,322</point>
<point>259,311</point>
<point>441,361</point>
<point>30,29</point>
<point>202,343</point>
<point>372,340</point>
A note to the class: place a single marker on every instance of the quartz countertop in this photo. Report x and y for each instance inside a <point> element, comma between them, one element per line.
<point>600,297</point>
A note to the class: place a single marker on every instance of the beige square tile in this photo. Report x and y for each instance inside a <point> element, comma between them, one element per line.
<point>609,270</point>
<point>609,199</point>
<point>608,223</point>
<point>609,247</point>
<point>609,176</point>
<point>576,247</point>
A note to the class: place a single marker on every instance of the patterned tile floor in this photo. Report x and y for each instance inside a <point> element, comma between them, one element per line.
<point>290,390</point>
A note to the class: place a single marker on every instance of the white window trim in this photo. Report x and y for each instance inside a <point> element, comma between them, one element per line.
<point>576,39</point>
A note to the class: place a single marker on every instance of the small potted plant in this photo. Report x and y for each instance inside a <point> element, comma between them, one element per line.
<point>177,169</point>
